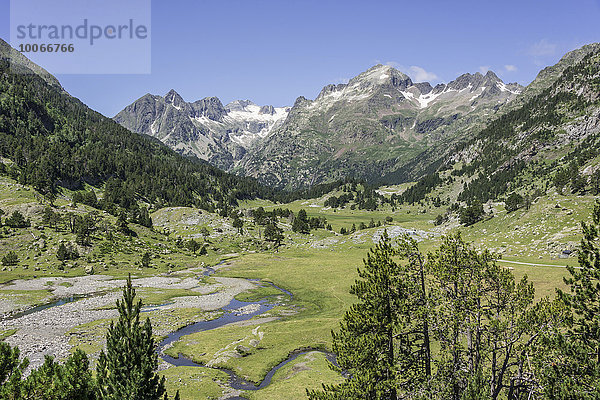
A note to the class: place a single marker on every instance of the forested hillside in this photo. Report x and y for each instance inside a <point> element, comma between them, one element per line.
<point>50,140</point>
<point>551,140</point>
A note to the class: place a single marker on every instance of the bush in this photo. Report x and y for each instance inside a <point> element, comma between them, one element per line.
<point>17,220</point>
<point>10,259</point>
<point>66,252</point>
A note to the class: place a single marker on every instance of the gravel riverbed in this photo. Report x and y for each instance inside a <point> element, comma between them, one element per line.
<point>45,332</point>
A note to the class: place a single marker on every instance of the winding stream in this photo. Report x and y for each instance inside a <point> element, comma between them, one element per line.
<point>235,311</point>
<point>236,382</point>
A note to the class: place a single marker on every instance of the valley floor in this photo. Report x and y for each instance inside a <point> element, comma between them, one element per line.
<point>182,288</point>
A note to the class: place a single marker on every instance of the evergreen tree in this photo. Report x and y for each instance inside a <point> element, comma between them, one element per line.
<point>486,327</point>
<point>146,260</point>
<point>238,224</point>
<point>578,375</point>
<point>10,259</point>
<point>378,343</point>
<point>50,218</point>
<point>273,233</point>
<point>203,250</point>
<point>205,233</point>
<point>127,369</point>
<point>69,381</point>
<point>472,213</point>
<point>123,226</point>
<point>11,371</point>
<point>513,202</point>
<point>300,223</point>
<point>62,253</point>
<point>17,220</point>
<point>144,218</point>
<point>51,381</point>
<point>193,245</point>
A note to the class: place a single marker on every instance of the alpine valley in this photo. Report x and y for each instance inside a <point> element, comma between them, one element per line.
<point>241,227</point>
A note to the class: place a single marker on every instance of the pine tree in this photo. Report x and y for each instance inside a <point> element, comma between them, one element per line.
<point>273,233</point>
<point>51,381</point>
<point>300,223</point>
<point>378,343</point>
<point>11,371</point>
<point>17,220</point>
<point>146,260</point>
<point>238,224</point>
<point>127,369</point>
<point>10,259</point>
<point>579,374</point>
<point>144,218</point>
<point>203,250</point>
<point>62,253</point>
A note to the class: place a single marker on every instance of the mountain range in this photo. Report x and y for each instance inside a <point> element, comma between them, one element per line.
<point>205,128</point>
<point>365,128</point>
<point>379,127</point>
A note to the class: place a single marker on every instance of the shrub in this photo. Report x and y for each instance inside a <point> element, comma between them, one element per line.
<point>10,259</point>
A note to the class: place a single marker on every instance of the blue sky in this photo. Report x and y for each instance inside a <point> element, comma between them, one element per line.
<point>274,51</point>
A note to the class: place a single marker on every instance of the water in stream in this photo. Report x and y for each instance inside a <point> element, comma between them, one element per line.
<point>230,316</point>
<point>232,313</point>
<point>42,307</point>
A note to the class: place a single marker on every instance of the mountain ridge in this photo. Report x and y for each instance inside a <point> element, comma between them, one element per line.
<point>384,106</point>
<point>217,133</point>
<point>378,120</point>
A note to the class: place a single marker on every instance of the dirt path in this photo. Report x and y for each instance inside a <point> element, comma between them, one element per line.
<point>534,265</point>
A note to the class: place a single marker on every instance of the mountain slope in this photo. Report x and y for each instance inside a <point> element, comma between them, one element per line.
<point>552,139</point>
<point>376,122</point>
<point>559,126</point>
<point>205,128</point>
<point>433,157</point>
<point>49,139</point>
<point>22,65</point>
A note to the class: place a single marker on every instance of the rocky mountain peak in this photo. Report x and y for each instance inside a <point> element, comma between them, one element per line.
<point>270,110</point>
<point>381,75</point>
<point>209,107</point>
<point>239,105</point>
<point>172,97</point>
<point>491,75</point>
<point>330,89</point>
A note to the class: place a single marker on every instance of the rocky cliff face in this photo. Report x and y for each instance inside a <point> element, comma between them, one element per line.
<point>205,128</point>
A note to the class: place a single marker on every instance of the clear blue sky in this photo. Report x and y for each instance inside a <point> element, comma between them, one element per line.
<point>274,51</point>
